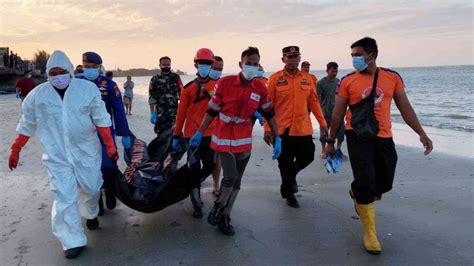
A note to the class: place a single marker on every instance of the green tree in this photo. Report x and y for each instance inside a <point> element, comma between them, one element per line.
<point>40,59</point>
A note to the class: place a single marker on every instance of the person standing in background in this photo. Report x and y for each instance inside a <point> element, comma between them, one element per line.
<point>5,59</point>
<point>305,67</point>
<point>128,95</point>
<point>79,71</point>
<point>327,96</point>
<point>110,75</point>
<point>24,85</point>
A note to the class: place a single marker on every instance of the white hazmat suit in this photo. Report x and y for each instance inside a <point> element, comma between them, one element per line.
<point>67,130</point>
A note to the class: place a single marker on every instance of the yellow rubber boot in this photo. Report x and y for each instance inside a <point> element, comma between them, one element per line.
<point>367,217</point>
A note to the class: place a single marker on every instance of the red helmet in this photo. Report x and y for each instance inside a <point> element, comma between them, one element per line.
<point>204,54</point>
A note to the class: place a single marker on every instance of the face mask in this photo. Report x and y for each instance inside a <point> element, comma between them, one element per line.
<point>91,73</point>
<point>79,75</point>
<point>249,72</point>
<point>60,82</point>
<point>358,62</point>
<point>165,70</point>
<point>203,70</point>
<point>215,74</point>
<point>28,76</point>
<point>260,73</point>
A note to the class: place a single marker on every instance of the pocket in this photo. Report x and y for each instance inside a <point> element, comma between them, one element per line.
<point>249,109</point>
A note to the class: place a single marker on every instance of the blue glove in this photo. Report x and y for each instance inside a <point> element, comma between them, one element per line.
<point>334,162</point>
<point>276,148</point>
<point>175,144</point>
<point>18,95</point>
<point>259,117</point>
<point>127,142</point>
<point>152,118</point>
<point>195,140</point>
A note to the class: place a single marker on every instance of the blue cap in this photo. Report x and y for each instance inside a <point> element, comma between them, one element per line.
<point>92,57</point>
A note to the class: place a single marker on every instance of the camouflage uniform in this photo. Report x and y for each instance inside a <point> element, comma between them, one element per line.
<point>164,93</point>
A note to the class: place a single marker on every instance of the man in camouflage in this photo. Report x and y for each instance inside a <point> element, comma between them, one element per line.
<point>164,90</point>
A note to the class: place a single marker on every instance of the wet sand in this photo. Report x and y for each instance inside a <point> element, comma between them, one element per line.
<point>426,219</point>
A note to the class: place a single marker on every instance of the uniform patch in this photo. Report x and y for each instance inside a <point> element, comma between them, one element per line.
<point>282,82</point>
<point>103,83</point>
<point>255,97</point>
<point>305,82</point>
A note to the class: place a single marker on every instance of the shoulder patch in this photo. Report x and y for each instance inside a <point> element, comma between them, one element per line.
<point>394,72</point>
<point>348,75</point>
<point>189,84</point>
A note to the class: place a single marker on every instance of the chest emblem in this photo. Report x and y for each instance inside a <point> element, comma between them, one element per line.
<point>255,97</point>
<point>282,82</point>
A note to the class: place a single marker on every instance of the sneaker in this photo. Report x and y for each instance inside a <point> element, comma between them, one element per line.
<point>73,252</point>
<point>92,224</point>
<point>292,201</point>
<point>198,213</point>
<point>215,214</point>
<point>110,199</point>
<point>224,225</point>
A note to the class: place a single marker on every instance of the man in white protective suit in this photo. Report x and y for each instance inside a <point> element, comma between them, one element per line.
<point>66,114</point>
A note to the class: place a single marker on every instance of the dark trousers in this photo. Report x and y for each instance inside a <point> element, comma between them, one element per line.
<point>108,168</point>
<point>297,152</point>
<point>373,165</point>
<point>202,161</point>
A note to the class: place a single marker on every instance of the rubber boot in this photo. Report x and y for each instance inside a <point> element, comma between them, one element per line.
<point>197,203</point>
<point>367,217</point>
<point>224,225</point>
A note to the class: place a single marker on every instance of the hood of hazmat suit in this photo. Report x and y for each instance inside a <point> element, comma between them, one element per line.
<point>67,130</point>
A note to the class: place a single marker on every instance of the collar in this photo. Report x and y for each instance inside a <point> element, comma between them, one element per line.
<point>298,73</point>
<point>238,81</point>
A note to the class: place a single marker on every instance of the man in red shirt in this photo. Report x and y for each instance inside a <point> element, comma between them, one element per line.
<point>236,99</point>
<point>24,85</point>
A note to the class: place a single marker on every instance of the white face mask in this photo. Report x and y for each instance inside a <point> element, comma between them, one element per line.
<point>60,82</point>
<point>28,76</point>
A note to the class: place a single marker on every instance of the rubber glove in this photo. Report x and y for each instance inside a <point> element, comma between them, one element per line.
<point>195,140</point>
<point>127,142</point>
<point>276,148</point>
<point>18,95</point>
<point>152,118</point>
<point>175,144</point>
<point>259,117</point>
<point>15,149</point>
<point>106,136</point>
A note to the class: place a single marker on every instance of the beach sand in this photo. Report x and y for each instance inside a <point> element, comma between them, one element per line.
<point>426,219</point>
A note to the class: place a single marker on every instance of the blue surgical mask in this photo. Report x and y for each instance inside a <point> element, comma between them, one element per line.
<point>249,72</point>
<point>358,62</point>
<point>203,70</point>
<point>260,73</point>
<point>215,74</point>
<point>91,73</point>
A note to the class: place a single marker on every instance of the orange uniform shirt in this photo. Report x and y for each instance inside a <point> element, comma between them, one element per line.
<point>293,97</point>
<point>191,112</point>
<point>356,86</point>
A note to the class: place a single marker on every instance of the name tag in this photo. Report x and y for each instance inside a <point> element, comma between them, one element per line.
<point>255,97</point>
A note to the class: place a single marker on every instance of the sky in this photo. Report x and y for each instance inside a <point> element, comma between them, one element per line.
<point>135,34</point>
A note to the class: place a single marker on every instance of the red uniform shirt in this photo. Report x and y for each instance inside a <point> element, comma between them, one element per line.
<point>236,104</point>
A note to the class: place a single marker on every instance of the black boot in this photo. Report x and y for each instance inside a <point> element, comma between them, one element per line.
<point>197,203</point>
<point>92,224</point>
<point>101,205</point>
<point>292,201</point>
<point>224,225</point>
<point>73,252</point>
<point>215,214</point>
<point>110,200</point>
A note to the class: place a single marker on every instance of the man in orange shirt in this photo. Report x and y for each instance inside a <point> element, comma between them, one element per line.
<point>373,161</point>
<point>305,67</point>
<point>192,106</point>
<point>293,93</point>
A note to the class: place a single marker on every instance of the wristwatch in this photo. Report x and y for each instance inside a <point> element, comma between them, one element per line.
<point>330,141</point>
